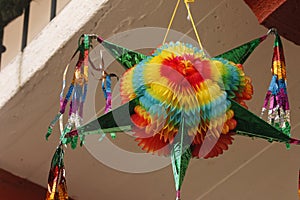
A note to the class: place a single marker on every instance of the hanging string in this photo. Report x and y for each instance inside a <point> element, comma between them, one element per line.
<point>193,23</point>
<point>171,21</point>
<point>190,17</point>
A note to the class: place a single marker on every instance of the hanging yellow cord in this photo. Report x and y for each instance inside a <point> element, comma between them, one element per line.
<point>171,21</point>
<point>192,20</point>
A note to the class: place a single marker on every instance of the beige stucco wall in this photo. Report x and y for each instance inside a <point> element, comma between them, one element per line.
<point>250,169</point>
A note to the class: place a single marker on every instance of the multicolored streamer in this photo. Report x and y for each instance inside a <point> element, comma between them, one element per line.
<point>76,93</point>
<point>106,88</point>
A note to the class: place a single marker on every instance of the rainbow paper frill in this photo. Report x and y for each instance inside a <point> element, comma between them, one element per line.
<point>237,85</point>
<point>178,82</point>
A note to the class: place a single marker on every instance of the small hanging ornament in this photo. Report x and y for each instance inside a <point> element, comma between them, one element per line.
<point>189,1</point>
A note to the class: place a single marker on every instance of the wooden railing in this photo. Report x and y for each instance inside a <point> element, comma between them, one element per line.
<point>25,28</point>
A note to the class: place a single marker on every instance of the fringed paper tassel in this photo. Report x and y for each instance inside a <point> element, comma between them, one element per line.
<point>57,187</point>
<point>106,88</point>
<point>106,91</point>
<point>76,95</point>
<point>276,102</point>
<point>70,134</point>
<point>106,80</point>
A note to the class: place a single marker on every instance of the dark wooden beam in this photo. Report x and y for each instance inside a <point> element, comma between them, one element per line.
<point>284,15</point>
